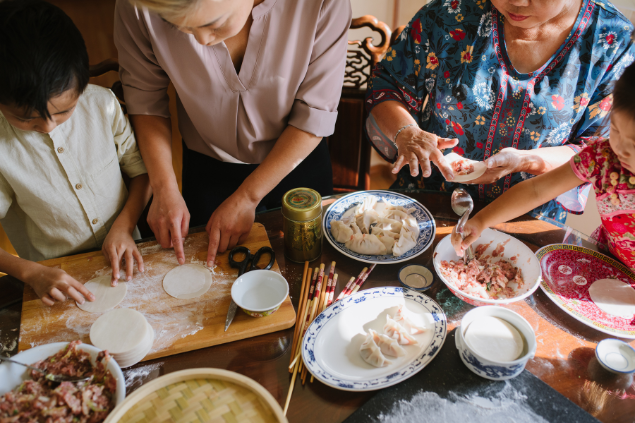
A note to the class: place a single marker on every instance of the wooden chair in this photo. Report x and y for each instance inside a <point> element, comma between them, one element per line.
<point>348,146</point>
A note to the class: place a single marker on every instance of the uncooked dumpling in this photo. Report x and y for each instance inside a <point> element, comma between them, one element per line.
<point>340,231</point>
<point>366,244</point>
<point>402,318</point>
<point>388,346</point>
<point>368,204</point>
<point>394,330</point>
<point>388,225</point>
<point>366,219</point>
<point>388,241</point>
<point>371,353</point>
<point>407,241</point>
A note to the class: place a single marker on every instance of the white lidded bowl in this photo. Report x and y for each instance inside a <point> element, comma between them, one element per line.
<point>487,368</point>
<point>525,260</point>
<point>616,356</point>
<point>260,292</point>
<point>12,375</point>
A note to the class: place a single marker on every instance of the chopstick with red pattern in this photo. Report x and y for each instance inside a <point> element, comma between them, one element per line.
<point>362,280</point>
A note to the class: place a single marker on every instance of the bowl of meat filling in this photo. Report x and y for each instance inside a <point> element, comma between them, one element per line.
<point>27,395</point>
<point>504,270</point>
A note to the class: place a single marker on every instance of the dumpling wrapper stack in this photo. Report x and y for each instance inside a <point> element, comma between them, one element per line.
<point>125,334</point>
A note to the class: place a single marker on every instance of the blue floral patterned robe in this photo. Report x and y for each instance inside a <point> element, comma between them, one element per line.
<point>450,43</point>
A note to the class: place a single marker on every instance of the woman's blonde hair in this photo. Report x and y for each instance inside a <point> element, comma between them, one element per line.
<point>169,8</point>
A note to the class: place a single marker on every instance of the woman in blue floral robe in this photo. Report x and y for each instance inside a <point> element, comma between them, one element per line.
<point>455,52</point>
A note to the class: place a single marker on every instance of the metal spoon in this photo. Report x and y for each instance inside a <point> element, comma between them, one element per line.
<point>47,376</point>
<point>463,205</point>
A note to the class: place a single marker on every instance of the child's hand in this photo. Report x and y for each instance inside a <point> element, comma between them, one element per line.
<point>120,245</point>
<point>471,231</point>
<point>52,285</point>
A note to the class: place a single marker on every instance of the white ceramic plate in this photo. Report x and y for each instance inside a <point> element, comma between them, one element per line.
<point>525,259</point>
<point>331,346</point>
<point>427,227</point>
<point>479,168</point>
<point>12,375</point>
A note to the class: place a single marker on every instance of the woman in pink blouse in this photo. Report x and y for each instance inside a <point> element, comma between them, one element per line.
<point>258,83</point>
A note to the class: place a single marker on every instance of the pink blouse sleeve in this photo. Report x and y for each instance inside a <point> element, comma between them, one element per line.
<point>145,83</point>
<point>316,101</point>
<point>585,163</point>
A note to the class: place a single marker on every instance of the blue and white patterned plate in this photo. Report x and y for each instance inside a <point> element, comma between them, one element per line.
<point>427,226</point>
<point>331,345</point>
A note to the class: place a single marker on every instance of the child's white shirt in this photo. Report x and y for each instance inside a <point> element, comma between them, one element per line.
<point>61,192</point>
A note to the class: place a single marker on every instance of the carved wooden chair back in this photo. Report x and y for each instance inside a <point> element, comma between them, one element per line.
<point>349,148</point>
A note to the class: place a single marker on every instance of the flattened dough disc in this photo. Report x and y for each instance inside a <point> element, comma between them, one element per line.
<point>106,297</point>
<point>187,281</point>
<point>613,297</point>
<point>494,339</point>
<point>119,331</point>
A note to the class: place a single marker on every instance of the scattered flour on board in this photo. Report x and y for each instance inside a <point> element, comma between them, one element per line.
<point>171,319</point>
<point>506,406</point>
<point>138,375</point>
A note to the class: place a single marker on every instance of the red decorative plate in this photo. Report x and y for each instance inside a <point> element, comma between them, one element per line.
<point>567,273</point>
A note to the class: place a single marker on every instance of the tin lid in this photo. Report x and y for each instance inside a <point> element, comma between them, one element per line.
<point>301,204</point>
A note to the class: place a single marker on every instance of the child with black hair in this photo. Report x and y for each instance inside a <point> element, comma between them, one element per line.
<point>607,164</point>
<point>63,145</point>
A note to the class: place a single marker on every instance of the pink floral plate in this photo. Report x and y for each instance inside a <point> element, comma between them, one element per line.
<point>567,273</point>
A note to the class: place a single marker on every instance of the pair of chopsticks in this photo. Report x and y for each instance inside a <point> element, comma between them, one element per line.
<point>316,295</point>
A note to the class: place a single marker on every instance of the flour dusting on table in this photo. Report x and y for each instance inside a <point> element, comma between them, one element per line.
<point>509,405</point>
<point>171,319</point>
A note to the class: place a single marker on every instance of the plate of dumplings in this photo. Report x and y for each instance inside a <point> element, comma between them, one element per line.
<point>374,339</point>
<point>380,227</point>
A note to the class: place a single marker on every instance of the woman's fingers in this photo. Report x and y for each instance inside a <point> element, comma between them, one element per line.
<point>457,241</point>
<point>177,239</point>
<point>212,249</point>
<point>114,263</point>
<point>446,142</point>
<point>72,293</point>
<point>439,159</point>
<point>401,161</point>
<point>414,164</point>
<point>469,239</point>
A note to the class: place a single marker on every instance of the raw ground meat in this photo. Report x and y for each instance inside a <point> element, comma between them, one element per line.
<point>483,278</point>
<point>41,400</point>
<point>462,167</point>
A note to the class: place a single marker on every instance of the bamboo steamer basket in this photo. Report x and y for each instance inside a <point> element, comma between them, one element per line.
<point>199,395</point>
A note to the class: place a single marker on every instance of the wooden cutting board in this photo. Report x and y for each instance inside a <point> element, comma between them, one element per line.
<point>179,325</point>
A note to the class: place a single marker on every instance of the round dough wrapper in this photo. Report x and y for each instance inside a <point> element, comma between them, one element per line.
<point>494,339</point>
<point>148,340</point>
<point>119,331</point>
<point>479,168</point>
<point>613,297</point>
<point>106,297</point>
<point>138,356</point>
<point>187,281</point>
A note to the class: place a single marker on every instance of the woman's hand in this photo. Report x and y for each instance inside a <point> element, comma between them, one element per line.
<point>52,285</point>
<point>169,219</point>
<point>471,231</point>
<point>417,148</point>
<point>120,245</point>
<point>508,160</point>
<point>229,225</point>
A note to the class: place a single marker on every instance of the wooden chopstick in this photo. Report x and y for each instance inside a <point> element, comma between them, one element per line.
<point>300,305</point>
<point>301,315</point>
<point>348,290</point>
<point>348,285</point>
<point>362,280</point>
<point>318,296</point>
<point>331,292</point>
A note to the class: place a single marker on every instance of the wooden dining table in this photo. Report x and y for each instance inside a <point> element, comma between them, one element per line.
<point>565,357</point>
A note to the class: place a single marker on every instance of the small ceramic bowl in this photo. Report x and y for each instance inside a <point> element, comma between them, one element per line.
<point>616,356</point>
<point>415,277</point>
<point>484,367</point>
<point>260,292</point>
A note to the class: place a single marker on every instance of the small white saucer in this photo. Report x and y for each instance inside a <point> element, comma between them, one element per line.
<point>616,356</point>
<point>415,277</point>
